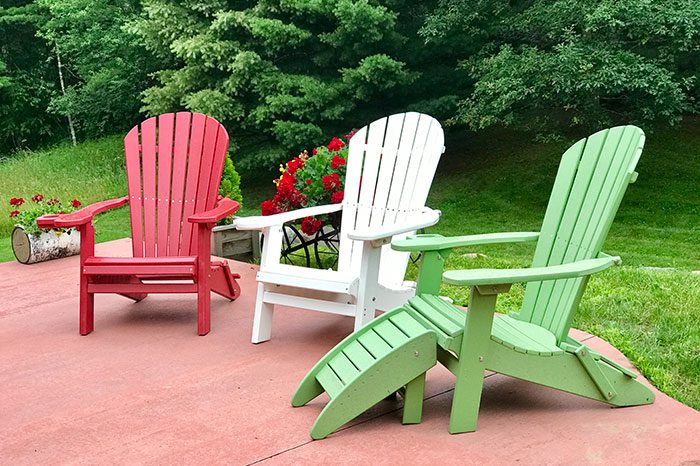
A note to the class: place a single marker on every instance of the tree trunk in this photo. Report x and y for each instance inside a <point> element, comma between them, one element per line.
<point>47,245</point>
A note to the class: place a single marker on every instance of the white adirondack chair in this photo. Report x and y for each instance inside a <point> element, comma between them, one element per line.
<point>390,168</point>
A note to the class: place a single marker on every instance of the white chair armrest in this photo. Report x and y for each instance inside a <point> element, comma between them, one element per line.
<point>266,221</point>
<point>425,218</point>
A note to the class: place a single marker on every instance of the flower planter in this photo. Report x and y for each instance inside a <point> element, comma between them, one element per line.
<point>228,242</point>
<point>47,245</point>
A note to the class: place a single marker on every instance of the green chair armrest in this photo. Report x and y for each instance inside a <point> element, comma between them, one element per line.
<point>439,242</point>
<point>535,274</point>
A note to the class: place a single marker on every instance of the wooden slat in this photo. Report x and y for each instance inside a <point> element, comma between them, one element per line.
<point>352,191</point>
<point>329,381</point>
<point>182,137</point>
<point>148,169</point>
<point>403,158</point>
<point>217,166</point>
<point>150,270</point>
<point>413,171</point>
<point>132,154</point>
<point>358,355</point>
<point>373,343</point>
<point>165,162</point>
<point>407,324</point>
<point>142,288</point>
<point>390,333</point>
<point>211,128</point>
<point>344,368</point>
<point>192,180</point>
<point>456,315</point>
<point>435,317</point>
<point>370,170</point>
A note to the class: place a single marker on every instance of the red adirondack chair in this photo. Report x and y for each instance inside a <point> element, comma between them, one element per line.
<point>173,166</point>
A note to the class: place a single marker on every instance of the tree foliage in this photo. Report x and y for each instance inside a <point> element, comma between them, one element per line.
<point>292,69</point>
<point>550,65</point>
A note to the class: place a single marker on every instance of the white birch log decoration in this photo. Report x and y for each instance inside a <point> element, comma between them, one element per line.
<point>47,245</point>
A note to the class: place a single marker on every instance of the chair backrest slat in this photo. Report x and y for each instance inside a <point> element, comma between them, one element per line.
<point>166,126</point>
<point>182,138</point>
<point>133,173</point>
<point>592,178</point>
<point>148,169</point>
<point>391,164</point>
<point>173,173</point>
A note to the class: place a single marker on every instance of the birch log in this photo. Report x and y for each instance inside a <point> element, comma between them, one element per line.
<point>47,245</point>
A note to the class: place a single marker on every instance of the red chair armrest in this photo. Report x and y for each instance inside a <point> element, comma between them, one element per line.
<point>223,209</point>
<point>79,217</point>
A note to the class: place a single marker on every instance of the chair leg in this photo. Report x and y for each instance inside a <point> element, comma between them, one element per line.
<point>413,400</point>
<point>87,308</point>
<point>472,361</point>
<point>367,288</point>
<point>203,306</point>
<point>262,321</point>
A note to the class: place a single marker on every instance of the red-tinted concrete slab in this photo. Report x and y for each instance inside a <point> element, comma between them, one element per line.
<point>144,388</point>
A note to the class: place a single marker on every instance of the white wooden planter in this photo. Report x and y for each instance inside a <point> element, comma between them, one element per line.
<point>48,245</point>
<point>228,242</point>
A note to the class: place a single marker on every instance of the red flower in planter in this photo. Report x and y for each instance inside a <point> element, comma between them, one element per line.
<point>314,151</point>
<point>310,225</point>
<point>14,213</point>
<point>337,197</point>
<point>308,182</point>
<point>331,181</point>
<point>335,145</point>
<point>18,201</point>
<point>38,198</point>
<point>268,207</point>
<point>350,134</point>
<point>293,165</point>
<point>337,161</point>
<point>75,203</point>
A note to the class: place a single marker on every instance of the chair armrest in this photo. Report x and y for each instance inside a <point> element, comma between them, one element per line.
<point>439,242</point>
<point>260,222</point>
<point>506,276</point>
<point>425,218</point>
<point>223,209</point>
<point>79,217</point>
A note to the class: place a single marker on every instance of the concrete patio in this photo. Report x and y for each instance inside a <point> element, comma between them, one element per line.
<point>144,388</point>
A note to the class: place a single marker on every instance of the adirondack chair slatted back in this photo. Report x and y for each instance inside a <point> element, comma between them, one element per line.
<point>391,164</point>
<point>173,164</point>
<point>591,181</point>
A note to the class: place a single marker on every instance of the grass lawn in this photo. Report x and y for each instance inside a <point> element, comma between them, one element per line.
<point>496,181</point>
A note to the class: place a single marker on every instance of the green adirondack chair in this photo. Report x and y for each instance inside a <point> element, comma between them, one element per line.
<point>393,352</point>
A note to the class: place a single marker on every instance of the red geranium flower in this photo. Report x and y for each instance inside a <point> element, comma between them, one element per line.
<point>16,201</point>
<point>314,151</point>
<point>14,213</point>
<point>335,145</point>
<point>308,182</point>
<point>337,197</point>
<point>53,201</point>
<point>293,165</point>
<point>75,203</point>
<point>310,225</point>
<point>331,181</point>
<point>337,161</point>
<point>38,197</point>
<point>350,134</point>
<point>268,207</point>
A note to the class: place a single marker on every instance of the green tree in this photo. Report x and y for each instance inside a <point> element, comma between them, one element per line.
<point>551,65</point>
<point>293,70</point>
<point>27,80</point>
<point>104,64</point>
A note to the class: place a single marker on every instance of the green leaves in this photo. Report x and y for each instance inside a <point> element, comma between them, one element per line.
<point>292,70</point>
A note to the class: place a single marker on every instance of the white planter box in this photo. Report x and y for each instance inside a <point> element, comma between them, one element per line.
<point>48,245</point>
